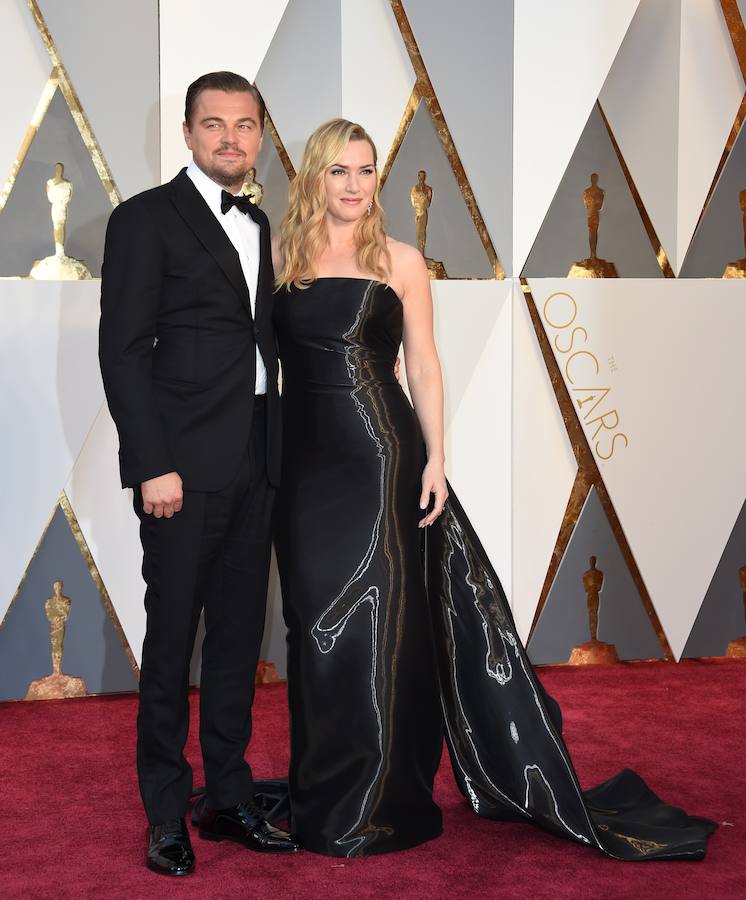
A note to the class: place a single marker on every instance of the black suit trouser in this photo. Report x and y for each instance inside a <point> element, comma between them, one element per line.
<point>213,554</point>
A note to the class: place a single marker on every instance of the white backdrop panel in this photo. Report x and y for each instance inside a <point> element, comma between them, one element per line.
<point>96,42</point>
<point>109,525</point>
<point>641,101</point>
<point>710,93</point>
<point>301,75</point>
<point>51,393</point>
<point>24,64</point>
<point>656,367</point>
<point>544,467</point>
<point>473,331</point>
<point>563,52</point>
<point>377,76</point>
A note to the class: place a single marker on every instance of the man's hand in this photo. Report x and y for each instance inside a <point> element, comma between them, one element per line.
<point>397,369</point>
<point>162,496</point>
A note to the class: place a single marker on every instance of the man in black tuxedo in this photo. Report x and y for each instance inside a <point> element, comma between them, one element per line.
<point>189,364</point>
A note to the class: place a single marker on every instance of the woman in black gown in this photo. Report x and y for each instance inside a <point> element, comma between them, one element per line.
<point>391,644</point>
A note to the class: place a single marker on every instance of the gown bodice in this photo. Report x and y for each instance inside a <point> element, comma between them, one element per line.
<point>338,331</point>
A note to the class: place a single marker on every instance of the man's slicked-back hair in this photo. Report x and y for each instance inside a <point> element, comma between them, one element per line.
<point>221,81</point>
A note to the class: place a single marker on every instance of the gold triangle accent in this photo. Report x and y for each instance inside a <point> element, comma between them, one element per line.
<point>578,495</point>
<point>401,132</point>
<point>660,254</point>
<point>85,552</point>
<point>427,92</point>
<point>76,110</point>
<point>287,163</point>
<point>588,475</point>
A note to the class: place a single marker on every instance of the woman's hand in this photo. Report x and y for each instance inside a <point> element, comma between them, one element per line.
<point>433,482</point>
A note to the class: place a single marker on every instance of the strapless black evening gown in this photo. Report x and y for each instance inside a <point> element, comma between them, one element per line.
<point>391,644</point>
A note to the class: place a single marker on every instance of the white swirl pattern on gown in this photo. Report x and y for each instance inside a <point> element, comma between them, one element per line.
<point>499,668</point>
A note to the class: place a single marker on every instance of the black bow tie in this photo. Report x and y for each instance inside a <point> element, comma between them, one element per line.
<point>242,202</point>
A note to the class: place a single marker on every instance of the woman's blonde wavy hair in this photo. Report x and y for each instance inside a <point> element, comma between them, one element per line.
<point>303,232</point>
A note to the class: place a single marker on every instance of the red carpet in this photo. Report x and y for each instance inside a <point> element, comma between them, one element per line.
<point>72,825</point>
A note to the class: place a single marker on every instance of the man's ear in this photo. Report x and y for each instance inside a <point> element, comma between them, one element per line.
<point>187,134</point>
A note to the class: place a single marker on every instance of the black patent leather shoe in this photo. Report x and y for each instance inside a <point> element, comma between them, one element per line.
<point>246,825</point>
<point>169,848</point>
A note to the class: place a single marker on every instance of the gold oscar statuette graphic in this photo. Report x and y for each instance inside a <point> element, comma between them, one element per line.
<point>59,267</point>
<point>266,673</point>
<point>252,189</point>
<point>737,269</point>
<point>737,648</point>
<point>421,196</point>
<point>593,651</point>
<point>593,267</point>
<point>57,685</point>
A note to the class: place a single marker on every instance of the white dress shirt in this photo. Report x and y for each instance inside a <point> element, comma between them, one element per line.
<point>243,233</point>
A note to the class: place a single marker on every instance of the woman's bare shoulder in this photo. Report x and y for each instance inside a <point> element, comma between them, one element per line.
<point>278,257</point>
<point>407,263</point>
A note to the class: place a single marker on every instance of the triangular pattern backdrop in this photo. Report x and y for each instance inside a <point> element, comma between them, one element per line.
<point>622,620</point>
<point>26,224</point>
<point>563,237</point>
<point>722,616</point>
<point>509,108</point>
<point>451,236</point>
<point>116,80</point>
<point>92,648</point>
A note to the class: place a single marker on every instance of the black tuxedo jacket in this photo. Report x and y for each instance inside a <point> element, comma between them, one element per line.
<point>177,340</point>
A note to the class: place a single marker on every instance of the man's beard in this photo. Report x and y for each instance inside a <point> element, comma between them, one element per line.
<point>227,178</point>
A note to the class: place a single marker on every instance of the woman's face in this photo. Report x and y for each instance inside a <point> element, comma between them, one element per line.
<point>351,183</point>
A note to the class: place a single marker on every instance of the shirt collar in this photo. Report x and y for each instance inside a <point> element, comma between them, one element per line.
<point>210,190</point>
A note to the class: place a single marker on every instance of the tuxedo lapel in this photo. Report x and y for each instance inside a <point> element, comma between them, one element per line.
<point>198,216</point>
<point>265,251</point>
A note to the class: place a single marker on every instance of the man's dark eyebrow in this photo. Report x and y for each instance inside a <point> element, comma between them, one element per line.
<point>219,119</point>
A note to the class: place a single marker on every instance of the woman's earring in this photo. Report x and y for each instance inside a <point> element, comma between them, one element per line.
<point>370,208</point>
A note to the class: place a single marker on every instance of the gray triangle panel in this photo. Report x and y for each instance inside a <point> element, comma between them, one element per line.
<point>622,619</point>
<point>721,617</point>
<point>93,650</point>
<point>719,238</point>
<point>468,54</point>
<point>26,232</point>
<point>452,237</point>
<point>111,53</point>
<point>563,236</point>
<point>301,75</point>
